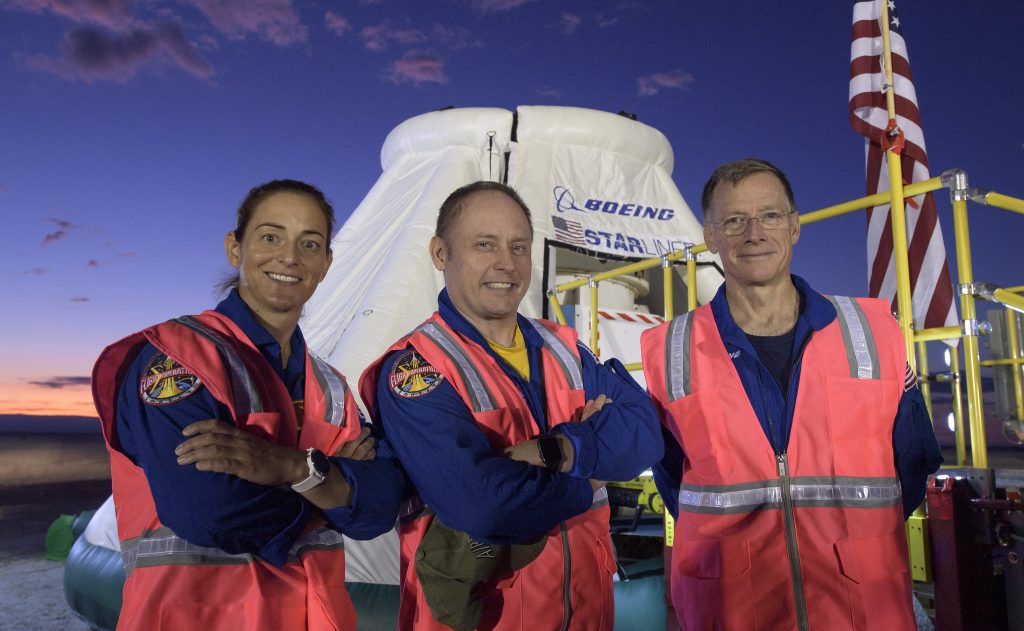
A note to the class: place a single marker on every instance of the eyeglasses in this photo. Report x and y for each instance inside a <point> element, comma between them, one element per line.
<point>769,220</point>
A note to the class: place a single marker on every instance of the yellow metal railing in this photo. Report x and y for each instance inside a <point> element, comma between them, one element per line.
<point>968,331</point>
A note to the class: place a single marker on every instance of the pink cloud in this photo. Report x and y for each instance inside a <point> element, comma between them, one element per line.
<point>63,225</point>
<point>570,22</point>
<point>417,67</point>
<point>651,84</point>
<point>56,235</point>
<point>93,263</point>
<point>454,38</point>
<point>378,38</point>
<point>79,299</point>
<point>494,6</point>
<point>336,23</point>
<point>113,14</point>
<point>274,20</point>
<point>90,55</point>
<point>63,382</point>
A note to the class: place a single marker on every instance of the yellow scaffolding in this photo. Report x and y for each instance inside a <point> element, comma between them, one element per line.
<point>970,327</point>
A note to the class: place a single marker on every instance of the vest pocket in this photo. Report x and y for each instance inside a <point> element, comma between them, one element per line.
<point>505,427</point>
<point>711,585</point>
<point>708,430</point>
<point>860,417</point>
<point>877,581</point>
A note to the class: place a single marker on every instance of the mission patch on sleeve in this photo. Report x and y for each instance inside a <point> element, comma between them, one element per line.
<point>165,381</point>
<point>413,377</point>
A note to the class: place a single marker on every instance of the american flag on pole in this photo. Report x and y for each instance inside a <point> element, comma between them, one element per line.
<point>929,274</point>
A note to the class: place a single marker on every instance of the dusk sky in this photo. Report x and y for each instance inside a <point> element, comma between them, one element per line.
<point>130,130</point>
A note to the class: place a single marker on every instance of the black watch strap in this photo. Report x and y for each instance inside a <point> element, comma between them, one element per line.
<point>550,452</point>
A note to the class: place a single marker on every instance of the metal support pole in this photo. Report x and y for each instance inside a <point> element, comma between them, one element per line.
<point>958,408</point>
<point>691,278</point>
<point>897,209</point>
<point>593,318</point>
<point>965,274</point>
<point>666,281</point>
<point>922,372</point>
<point>990,198</point>
<point>1012,338</point>
<point>556,307</point>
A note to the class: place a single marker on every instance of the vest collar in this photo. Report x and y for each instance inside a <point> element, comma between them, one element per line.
<point>235,308</point>
<point>816,313</point>
<point>462,326</point>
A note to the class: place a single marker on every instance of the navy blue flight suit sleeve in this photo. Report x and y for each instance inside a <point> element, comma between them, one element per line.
<point>914,448</point>
<point>205,508</point>
<point>377,487</point>
<point>462,478</point>
<point>621,440</point>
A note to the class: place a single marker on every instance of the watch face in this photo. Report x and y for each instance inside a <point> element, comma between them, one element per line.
<point>320,462</point>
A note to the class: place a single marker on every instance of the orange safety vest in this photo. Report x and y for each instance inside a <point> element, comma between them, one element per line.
<point>811,538</point>
<point>569,586</point>
<point>174,584</point>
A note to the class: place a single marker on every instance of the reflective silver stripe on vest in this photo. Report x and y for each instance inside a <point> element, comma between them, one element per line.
<point>677,357</point>
<point>600,498</point>
<point>247,397</point>
<point>569,361</point>
<point>333,388</point>
<point>162,547</point>
<point>479,394</point>
<point>860,344</point>
<point>806,491</point>
<point>320,539</point>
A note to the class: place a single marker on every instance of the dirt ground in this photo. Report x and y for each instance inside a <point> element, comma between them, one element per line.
<point>42,477</point>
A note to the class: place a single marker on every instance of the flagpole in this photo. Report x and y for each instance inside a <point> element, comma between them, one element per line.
<point>897,211</point>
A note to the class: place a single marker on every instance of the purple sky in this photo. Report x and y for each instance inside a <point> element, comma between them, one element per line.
<point>129,131</point>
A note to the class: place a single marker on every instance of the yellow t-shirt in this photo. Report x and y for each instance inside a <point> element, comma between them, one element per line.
<point>515,355</point>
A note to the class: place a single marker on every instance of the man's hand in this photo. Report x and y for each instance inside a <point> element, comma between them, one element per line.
<point>528,451</point>
<point>594,406</point>
<point>216,446</point>
<point>362,447</point>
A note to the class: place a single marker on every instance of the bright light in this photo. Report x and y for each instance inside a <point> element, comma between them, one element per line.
<point>946,357</point>
<point>950,420</point>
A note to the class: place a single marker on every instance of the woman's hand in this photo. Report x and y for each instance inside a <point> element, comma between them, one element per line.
<point>216,446</point>
<point>362,447</point>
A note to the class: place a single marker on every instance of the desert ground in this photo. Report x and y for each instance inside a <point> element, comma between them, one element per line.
<point>43,475</point>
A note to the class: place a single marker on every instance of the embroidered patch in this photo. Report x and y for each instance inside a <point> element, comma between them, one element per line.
<point>413,376</point>
<point>165,381</point>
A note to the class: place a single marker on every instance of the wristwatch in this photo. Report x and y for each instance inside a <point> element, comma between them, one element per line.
<point>319,466</point>
<point>550,452</point>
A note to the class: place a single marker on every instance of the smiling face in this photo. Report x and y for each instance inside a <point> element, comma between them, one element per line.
<point>757,257</point>
<point>281,258</point>
<point>486,260</point>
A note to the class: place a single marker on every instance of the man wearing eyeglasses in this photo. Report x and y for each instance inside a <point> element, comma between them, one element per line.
<point>796,439</point>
